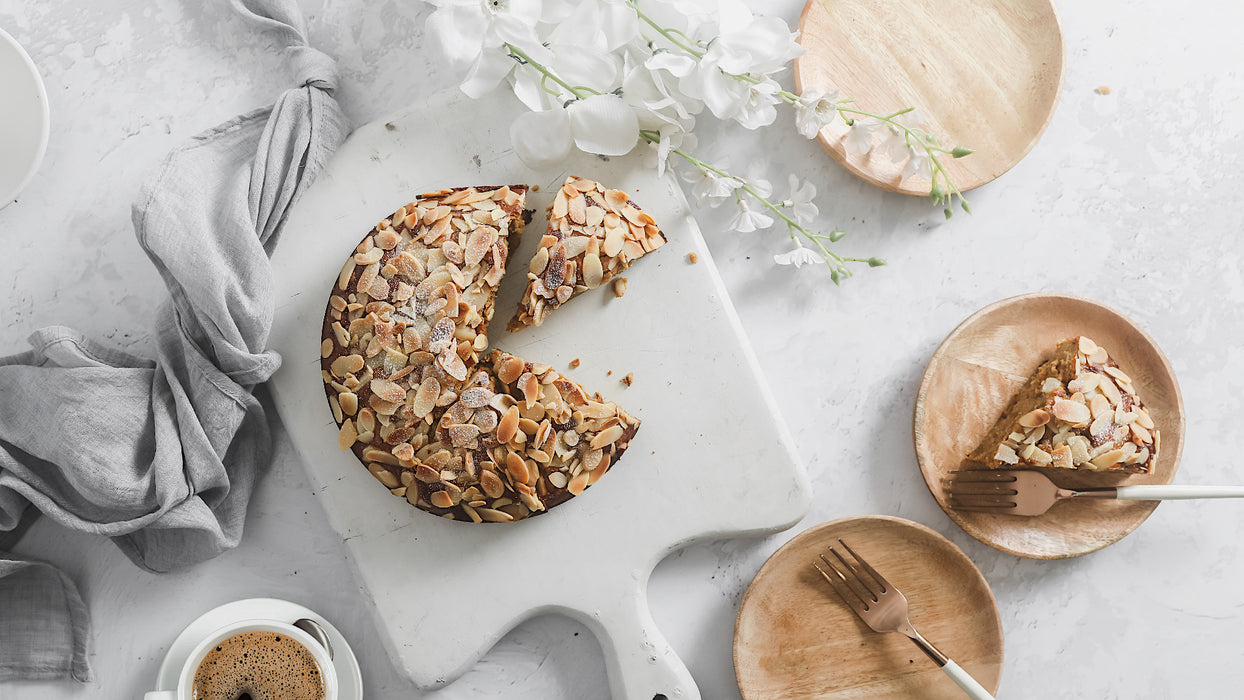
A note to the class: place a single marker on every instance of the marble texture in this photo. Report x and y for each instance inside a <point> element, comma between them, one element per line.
<point>1130,198</point>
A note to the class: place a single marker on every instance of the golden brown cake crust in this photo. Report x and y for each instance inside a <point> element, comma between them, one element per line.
<point>594,234</point>
<point>1079,410</point>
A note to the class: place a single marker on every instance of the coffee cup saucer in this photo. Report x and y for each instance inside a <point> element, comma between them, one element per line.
<point>349,676</point>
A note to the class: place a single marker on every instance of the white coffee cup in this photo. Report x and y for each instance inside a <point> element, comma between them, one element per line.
<point>185,682</point>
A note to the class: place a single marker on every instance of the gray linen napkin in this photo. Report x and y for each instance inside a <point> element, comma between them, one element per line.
<point>161,455</point>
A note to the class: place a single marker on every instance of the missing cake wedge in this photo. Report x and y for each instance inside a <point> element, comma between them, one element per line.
<point>1079,410</point>
<point>594,234</point>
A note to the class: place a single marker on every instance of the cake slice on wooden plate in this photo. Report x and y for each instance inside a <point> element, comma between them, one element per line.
<point>594,234</point>
<point>1079,410</point>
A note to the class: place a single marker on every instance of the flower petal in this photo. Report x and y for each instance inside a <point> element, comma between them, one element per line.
<point>603,124</point>
<point>488,71</point>
<point>542,139</point>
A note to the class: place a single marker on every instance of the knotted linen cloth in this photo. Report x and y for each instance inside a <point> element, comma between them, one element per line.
<point>161,455</point>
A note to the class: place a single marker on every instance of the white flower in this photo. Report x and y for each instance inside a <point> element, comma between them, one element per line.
<point>747,220</point>
<point>760,107</point>
<point>859,138</point>
<point>895,143</point>
<point>673,137</point>
<point>745,45</point>
<point>603,24</point>
<point>798,256</point>
<point>465,28</point>
<point>709,188</point>
<point>918,163</point>
<point>800,201</point>
<point>601,124</point>
<point>650,87</point>
<point>814,110</point>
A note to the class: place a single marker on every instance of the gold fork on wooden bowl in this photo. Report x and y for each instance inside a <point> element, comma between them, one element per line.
<point>1022,492</point>
<point>884,608</point>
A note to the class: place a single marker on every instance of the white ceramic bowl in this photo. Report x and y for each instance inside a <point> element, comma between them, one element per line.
<point>23,119</point>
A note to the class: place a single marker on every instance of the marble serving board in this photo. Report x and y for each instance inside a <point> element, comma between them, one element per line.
<point>711,460</point>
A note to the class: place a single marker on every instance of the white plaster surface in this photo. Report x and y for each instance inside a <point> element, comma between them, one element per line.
<point>1130,198</point>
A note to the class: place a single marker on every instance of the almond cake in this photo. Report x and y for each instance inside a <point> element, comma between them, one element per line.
<point>594,234</point>
<point>403,333</point>
<point>1079,410</point>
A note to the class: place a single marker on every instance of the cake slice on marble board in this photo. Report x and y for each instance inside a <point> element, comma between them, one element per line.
<point>1078,410</point>
<point>594,234</point>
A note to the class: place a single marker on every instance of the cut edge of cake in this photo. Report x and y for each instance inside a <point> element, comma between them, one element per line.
<point>593,235</point>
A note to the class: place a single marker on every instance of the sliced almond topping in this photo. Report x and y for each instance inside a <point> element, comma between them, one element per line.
<point>606,437</point>
<point>1062,457</point>
<point>348,434</point>
<point>1034,418</point>
<point>387,390</point>
<point>425,397</point>
<point>517,467</point>
<point>592,271</point>
<point>1050,384</point>
<point>1040,457</point>
<point>1072,412</point>
<point>619,287</point>
<point>1087,346</point>
<point>1079,449</point>
<point>347,364</point>
<point>1108,459</point>
<point>1098,356</point>
<point>343,279</point>
<point>510,370</point>
<point>508,425</point>
<point>530,387</point>
<point>349,402</point>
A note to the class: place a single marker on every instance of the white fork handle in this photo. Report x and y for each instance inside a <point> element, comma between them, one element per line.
<point>975,690</point>
<point>1167,493</point>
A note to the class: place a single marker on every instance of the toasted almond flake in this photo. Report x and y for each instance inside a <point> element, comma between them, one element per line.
<point>606,437</point>
<point>493,515</point>
<point>592,271</point>
<point>517,467</point>
<point>341,334</point>
<point>1141,434</point>
<point>343,278</point>
<point>1098,356</point>
<point>530,387</point>
<point>346,437</point>
<point>326,348</point>
<point>1083,384</point>
<point>614,239</point>
<point>387,390</point>
<point>1108,459</point>
<point>425,397</point>
<point>578,484</point>
<point>693,259</point>
<point>1072,412</point>
<point>619,287</point>
<point>1034,418</point>
<point>347,364</point>
<point>1108,389</point>
<point>349,402</point>
<point>385,476</point>
<point>508,426</point>
<point>1087,346</point>
<point>1143,419</point>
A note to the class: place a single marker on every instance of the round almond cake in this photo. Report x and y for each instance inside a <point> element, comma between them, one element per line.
<point>492,439</point>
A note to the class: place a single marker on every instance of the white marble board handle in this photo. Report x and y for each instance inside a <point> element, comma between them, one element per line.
<point>1147,492</point>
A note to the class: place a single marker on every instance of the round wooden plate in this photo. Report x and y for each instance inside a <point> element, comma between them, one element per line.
<point>795,638</point>
<point>984,76</point>
<point>975,372</point>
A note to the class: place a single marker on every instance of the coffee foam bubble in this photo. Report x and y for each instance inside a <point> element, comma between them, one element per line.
<point>264,665</point>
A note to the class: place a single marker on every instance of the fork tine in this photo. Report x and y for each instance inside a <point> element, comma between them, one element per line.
<point>982,508</point>
<point>981,499</point>
<point>980,476</point>
<point>840,587</point>
<point>850,579</point>
<point>885,585</point>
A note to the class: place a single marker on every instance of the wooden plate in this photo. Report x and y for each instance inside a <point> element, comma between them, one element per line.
<point>795,638</point>
<point>983,75</point>
<point>975,372</point>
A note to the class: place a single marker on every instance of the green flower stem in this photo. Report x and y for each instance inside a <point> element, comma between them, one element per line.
<point>667,33</point>
<point>548,74</point>
<point>836,263</point>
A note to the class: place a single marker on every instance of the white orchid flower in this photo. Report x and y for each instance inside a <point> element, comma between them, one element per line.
<point>748,219</point>
<point>709,188</point>
<point>600,124</point>
<point>814,110</point>
<point>798,256</point>
<point>800,201</point>
<point>859,138</point>
<point>465,28</point>
<point>760,108</point>
<point>918,163</point>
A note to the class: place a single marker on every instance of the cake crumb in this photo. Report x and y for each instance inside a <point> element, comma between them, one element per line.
<point>535,188</point>
<point>574,363</point>
<point>1103,90</point>
<point>390,126</point>
<point>693,258</point>
<point>629,378</point>
<point>619,287</point>
<point>609,373</point>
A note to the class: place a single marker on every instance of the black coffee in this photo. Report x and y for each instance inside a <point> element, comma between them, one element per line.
<point>258,666</point>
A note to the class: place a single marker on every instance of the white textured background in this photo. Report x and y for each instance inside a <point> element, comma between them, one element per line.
<point>1130,198</point>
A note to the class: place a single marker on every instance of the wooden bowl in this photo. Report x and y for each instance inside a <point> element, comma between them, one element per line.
<point>795,639</point>
<point>984,76</point>
<point>978,368</point>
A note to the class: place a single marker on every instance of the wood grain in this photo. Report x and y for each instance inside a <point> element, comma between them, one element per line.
<point>971,378</point>
<point>795,638</point>
<point>984,75</point>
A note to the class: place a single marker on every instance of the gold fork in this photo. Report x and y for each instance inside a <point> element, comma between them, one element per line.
<point>884,608</point>
<point>1022,492</point>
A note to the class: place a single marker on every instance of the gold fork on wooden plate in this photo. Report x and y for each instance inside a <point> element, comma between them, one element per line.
<point>884,608</point>
<point>1022,492</point>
